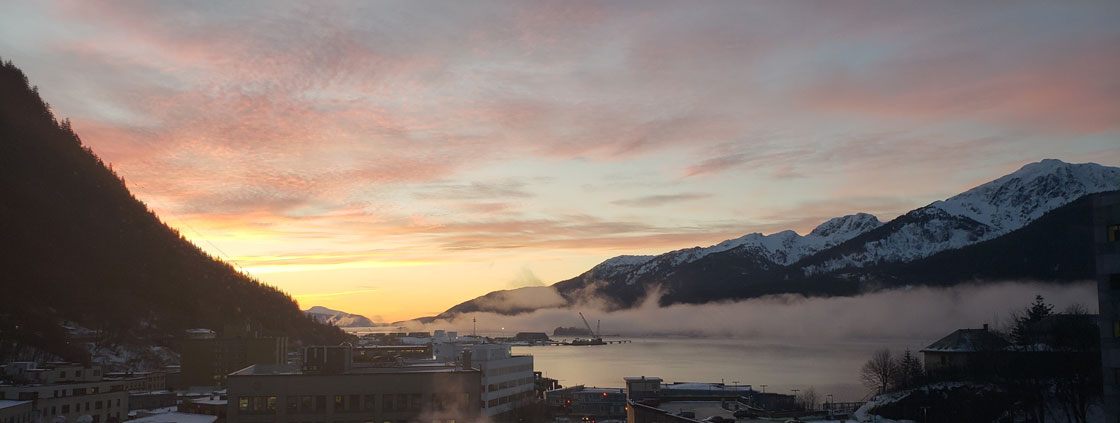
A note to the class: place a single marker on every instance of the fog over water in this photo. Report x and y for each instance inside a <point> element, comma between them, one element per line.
<point>904,313</point>
<point>786,341</point>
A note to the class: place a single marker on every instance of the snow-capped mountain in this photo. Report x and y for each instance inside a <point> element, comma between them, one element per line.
<point>847,254</point>
<point>337,318</point>
<point>979,214</point>
<point>1008,203</point>
<point>781,248</point>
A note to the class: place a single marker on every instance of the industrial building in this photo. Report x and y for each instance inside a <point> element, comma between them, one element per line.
<point>207,359</point>
<point>65,392</point>
<point>332,387</point>
<point>508,380</point>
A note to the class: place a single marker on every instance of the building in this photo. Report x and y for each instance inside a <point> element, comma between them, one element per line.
<point>587,402</point>
<point>214,405</point>
<point>16,411</point>
<point>508,381</point>
<point>140,381</point>
<point>332,387</point>
<point>207,359</point>
<point>1106,237</point>
<point>176,418</point>
<point>681,411</point>
<point>957,350</point>
<point>649,400</point>
<point>392,353</point>
<point>65,391</point>
<point>139,400</point>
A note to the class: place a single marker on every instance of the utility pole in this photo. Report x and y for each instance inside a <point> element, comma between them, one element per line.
<point>474,331</point>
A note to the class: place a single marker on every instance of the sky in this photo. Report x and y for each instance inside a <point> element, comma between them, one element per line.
<point>393,159</point>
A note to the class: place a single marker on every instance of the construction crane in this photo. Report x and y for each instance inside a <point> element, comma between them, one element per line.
<point>593,334</point>
<point>595,338</point>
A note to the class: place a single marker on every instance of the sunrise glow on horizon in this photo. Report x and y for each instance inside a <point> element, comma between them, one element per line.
<point>395,159</point>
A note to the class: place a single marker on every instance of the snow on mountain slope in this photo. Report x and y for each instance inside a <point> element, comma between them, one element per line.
<point>979,214</point>
<point>337,318</point>
<point>780,248</point>
<point>1008,203</point>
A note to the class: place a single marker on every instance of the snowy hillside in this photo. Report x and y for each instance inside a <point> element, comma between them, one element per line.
<point>781,248</point>
<point>979,214</point>
<point>1014,200</point>
<point>337,318</point>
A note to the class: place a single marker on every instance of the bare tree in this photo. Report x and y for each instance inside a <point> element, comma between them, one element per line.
<point>808,398</point>
<point>878,373</point>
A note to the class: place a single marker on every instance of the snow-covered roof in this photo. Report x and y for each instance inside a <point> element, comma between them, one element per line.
<point>968,340</point>
<point>11,403</point>
<point>706,386</point>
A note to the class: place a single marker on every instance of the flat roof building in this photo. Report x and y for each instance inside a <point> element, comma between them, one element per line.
<point>434,392</point>
<point>65,392</point>
<point>16,411</point>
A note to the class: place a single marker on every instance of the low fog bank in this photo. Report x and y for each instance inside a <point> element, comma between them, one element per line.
<point>905,313</point>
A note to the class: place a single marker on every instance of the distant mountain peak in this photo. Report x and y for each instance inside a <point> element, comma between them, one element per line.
<point>1015,199</point>
<point>857,223</point>
<point>338,318</point>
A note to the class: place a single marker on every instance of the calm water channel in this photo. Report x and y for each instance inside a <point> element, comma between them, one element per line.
<point>828,368</point>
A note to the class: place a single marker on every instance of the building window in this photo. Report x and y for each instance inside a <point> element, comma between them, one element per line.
<point>1113,233</point>
<point>271,404</point>
<point>321,403</point>
<point>307,403</point>
<point>370,402</point>
<point>293,405</point>
<point>243,404</point>
<point>338,406</point>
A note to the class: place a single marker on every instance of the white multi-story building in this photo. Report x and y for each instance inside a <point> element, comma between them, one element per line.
<point>507,379</point>
<point>65,392</point>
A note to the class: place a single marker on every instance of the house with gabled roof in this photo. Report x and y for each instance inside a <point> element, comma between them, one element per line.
<point>956,350</point>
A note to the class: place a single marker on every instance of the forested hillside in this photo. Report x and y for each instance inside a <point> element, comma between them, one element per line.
<point>79,247</point>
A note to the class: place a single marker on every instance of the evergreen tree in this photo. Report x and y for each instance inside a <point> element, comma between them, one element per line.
<point>910,373</point>
<point>1023,332</point>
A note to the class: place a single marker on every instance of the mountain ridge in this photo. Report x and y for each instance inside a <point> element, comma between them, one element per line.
<point>341,319</point>
<point>788,262</point>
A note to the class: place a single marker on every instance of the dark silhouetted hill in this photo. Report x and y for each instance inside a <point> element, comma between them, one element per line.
<point>77,246</point>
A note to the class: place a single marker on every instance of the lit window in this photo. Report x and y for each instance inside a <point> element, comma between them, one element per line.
<point>1113,233</point>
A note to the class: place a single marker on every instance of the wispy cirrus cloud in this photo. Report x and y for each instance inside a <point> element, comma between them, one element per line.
<point>658,200</point>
